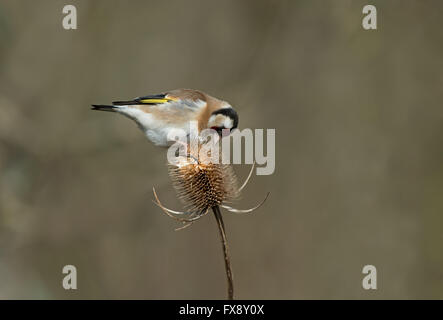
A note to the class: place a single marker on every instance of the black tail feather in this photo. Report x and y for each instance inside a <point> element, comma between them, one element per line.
<point>102,107</point>
<point>125,103</point>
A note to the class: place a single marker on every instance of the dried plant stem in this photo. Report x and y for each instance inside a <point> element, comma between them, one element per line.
<point>221,227</point>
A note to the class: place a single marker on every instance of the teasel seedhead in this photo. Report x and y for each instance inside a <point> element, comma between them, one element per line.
<point>202,184</point>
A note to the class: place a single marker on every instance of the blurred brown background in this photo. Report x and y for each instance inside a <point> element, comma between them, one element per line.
<point>359,164</point>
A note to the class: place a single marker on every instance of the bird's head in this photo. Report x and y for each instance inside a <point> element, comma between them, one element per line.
<point>224,118</point>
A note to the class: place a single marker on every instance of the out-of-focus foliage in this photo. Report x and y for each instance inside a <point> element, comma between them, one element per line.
<point>359,164</point>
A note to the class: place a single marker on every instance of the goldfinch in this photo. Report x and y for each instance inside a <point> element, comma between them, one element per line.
<point>156,115</point>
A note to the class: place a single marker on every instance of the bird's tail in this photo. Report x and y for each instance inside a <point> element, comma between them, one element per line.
<point>102,107</point>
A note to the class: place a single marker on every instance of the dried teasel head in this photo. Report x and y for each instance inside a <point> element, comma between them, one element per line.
<point>201,185</point>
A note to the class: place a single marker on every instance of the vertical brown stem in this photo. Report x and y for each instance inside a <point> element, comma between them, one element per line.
<point>221,227</point>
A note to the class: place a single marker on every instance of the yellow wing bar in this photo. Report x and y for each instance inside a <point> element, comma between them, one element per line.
<point>155,101</point>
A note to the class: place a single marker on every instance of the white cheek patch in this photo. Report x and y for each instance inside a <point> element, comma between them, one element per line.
<point>228,123</point>
<point>221,121</point>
